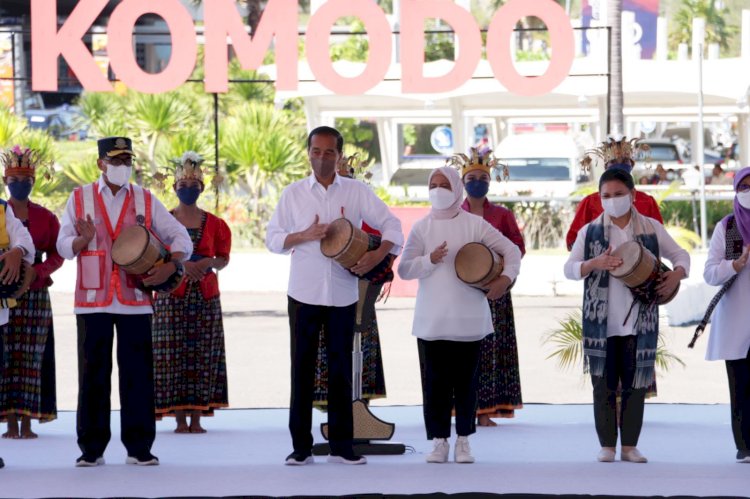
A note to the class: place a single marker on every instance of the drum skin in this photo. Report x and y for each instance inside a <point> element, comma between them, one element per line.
<point>345,243</point>
<point>477,265</point>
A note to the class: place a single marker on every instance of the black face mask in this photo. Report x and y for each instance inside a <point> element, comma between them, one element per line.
<point>20,190</point>
<point>323,168</point>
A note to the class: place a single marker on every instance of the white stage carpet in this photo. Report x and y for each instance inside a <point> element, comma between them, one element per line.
<point>547,449</point>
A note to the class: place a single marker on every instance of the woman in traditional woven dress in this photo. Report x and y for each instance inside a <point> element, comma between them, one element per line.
<point>190,373</point>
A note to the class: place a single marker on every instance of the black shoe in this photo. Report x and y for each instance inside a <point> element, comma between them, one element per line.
<point>347,458</point>
<point>89,462</point>
<point>146,459</point>
<point>743,456</point>
<point>2,464</point>
<point>299,459</point>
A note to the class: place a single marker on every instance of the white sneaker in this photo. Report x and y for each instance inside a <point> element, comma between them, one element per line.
<point>633,455</point>
<point>462,451</point>
<point>440,450</point>
<point>606,455</point>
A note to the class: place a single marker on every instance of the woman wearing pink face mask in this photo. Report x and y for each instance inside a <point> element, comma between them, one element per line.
<point>620,347</point>
<point>451,318</point>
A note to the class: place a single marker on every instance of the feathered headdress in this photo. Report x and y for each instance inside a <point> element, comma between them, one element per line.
<point>353,167</point>
<point>188,167</point>
<point>616,152</point>
<point>482,160</point>
<point>18,161</point>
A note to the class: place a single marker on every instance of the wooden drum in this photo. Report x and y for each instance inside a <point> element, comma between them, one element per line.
<point>18,288</point>
<point>136,251</point>
<point>477,265</point>
<point>638,264</point>
<point>345,243</point>
<point>641,271</point>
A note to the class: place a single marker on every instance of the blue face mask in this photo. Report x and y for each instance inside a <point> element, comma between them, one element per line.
<point>189,195</point>
<point>20,190</point>
<point>477,188</point>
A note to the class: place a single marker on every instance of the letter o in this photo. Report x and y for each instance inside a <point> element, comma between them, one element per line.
<point>318,34</point>
<point>561,38</point>
<point>120,49</point>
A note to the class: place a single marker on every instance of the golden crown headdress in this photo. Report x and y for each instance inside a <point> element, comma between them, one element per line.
<point>354,167</point>
<point>616,152</point>
<point>18,161</point>
<point>482,160</point>
<point>188,167</point>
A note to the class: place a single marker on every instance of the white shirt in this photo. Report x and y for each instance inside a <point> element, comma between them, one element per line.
<point>730,323</point>
<point>163,224</point>
<point>19,237</point>
<point>447,308</point>
<point>315,279</point>
<point>619,296</point>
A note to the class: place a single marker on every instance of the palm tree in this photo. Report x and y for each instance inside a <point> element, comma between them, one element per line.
<point>718,30</point>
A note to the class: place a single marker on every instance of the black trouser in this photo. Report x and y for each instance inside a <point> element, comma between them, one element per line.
<point>450,379</point>
<point>738,373</point>
<point>135,364</point>
<point>305,324</point>
<point>618,371</point>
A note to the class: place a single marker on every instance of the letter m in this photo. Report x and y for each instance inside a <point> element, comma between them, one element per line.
<point>223,24</point>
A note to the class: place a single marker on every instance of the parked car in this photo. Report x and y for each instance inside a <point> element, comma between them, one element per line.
<point>671,155</point>
<point>62,123</point>
<point>539,164</point>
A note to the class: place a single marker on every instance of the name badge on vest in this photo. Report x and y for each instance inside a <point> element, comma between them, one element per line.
<point>140,219</point>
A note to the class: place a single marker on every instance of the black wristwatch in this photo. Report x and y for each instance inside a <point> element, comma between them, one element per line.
<point>179,268</point>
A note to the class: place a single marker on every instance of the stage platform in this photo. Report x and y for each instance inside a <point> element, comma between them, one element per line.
<point>545,450</point>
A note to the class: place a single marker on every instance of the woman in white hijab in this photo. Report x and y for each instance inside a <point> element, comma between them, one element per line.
<point>450,317</point>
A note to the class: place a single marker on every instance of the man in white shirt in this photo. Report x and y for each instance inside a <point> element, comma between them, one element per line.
<point>107,298</point>
<point>321,293</point>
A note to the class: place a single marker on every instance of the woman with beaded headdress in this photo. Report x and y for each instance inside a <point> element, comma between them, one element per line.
<point>190,374</point>
<point>621,325</point>
<point>27,387</point>
<point>614,154</point>
<point>499,382</point>
<point>450,318</point>
<point>373,376</point>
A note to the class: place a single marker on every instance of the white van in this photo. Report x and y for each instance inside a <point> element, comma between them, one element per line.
<point>540,164</point>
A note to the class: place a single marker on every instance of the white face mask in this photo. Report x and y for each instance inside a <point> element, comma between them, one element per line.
<point>119,175</point>
<point>616,207</point>
<point>441,198</point>
<point>744,199</point>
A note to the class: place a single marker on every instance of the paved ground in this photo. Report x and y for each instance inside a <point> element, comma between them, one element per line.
<point>257,338</point>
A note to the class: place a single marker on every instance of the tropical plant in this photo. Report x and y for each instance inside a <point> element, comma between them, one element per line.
<point>544,224</point>
<point>567,344</point>
<point>718,28</point>
<point>83,171</point>
<point>263,154</point>
<point>11,127</point>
